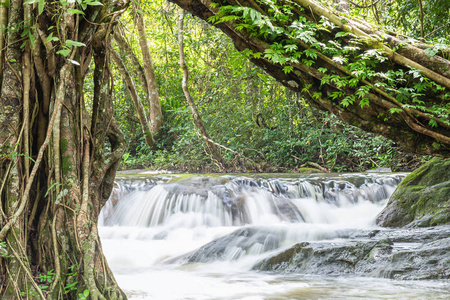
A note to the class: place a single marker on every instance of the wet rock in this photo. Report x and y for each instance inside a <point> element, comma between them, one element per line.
<point>232,246</point>
<point>422,198</point>
<point>397,254</point>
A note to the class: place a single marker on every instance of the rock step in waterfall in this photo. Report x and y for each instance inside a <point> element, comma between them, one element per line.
<point>236,200</point>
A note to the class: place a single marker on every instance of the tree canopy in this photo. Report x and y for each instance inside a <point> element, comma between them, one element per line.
<point>373,79</point>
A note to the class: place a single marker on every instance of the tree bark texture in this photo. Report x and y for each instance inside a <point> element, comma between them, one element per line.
<point>341,65</point>
<point>57,161</point>
<point>156,117</point>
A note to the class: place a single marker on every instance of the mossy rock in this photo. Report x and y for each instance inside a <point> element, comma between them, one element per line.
<point>309,170</point>
<point>421,199</point>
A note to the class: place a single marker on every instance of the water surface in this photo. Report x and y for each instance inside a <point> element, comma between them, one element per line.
<point>153,227</point>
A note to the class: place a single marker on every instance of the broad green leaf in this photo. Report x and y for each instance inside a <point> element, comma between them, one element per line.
<point>74,11</point>
<point>70,43</point>
<point>340,34</point>
<point>64,52</point>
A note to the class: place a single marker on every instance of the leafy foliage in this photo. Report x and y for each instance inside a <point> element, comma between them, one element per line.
<point>235,98</point>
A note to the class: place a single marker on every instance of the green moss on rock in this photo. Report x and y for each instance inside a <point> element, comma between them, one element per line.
<point>308,170</point>
<point>423,197</point>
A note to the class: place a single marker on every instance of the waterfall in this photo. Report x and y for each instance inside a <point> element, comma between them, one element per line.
<point>237,201</point>
<point>186,237</point>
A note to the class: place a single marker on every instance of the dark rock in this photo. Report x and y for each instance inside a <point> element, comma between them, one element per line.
<point>397,254</point>
<point>236,244</point>
<point>422,198</point>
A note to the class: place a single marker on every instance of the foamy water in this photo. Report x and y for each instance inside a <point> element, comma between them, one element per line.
<point>148,230</point>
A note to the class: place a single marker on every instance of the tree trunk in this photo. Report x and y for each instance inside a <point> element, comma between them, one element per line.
<point>156,117</point>
<point>131,87</point>
<point>57,162</point>
<point>367,78</point>
<point>198,122</point>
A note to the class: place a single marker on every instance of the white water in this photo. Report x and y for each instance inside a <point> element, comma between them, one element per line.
<point>146,233</point>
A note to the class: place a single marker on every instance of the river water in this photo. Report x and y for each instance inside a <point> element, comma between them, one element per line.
<point>197,237</point>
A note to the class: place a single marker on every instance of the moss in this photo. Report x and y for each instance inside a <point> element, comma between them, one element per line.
<point>66,164</point>
<point>425,193</point>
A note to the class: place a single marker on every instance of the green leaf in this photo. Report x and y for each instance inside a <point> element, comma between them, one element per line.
<point>430,52</point>
<point>264,77</point>
<point>433,123</point>
<point>5,4</point>
<point>291,48</point>
<point>364,102</point>
<point>362,91</point>
<point>257,55</point>
<point>340,34</point>
<point>93,3</point>
<point>51,38</point>
<point>23,44</point>
<point>288,69</point>
<point>311,53</point>
<point>70,43</point>
<point>74,11</point>
<point>64,52</point>
<point>52,186</point>
<point>353,82</point>
<point>41,6</point>
<point>395,110</point>
<point>335,95</point>
<point>348,100</point>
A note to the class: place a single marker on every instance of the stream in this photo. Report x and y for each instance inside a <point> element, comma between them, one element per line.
<point>220,237</point>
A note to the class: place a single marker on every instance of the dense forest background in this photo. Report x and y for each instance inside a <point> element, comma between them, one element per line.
<point>256,123</point>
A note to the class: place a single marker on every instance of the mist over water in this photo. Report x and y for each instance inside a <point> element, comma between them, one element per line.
<point>198,237</point>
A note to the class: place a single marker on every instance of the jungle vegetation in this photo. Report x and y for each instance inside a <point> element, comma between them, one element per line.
<point>88,87</point>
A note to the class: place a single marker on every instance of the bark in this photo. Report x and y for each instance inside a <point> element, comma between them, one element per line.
<point>198,122</point>
<point>423,129</point>
<point>57,162</point>
<point>156,117</point>
<point>3,23</point>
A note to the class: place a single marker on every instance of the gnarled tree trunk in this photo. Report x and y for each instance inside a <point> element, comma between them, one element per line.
<point>369,79</point>
<point>58,151</point>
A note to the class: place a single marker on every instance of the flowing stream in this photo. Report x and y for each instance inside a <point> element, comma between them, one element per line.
<point>199,237</point>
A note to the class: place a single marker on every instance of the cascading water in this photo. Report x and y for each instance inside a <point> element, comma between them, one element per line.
<point>198,237</point>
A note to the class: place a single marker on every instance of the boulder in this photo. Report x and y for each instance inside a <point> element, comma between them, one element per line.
<point>421,199</point>
<point>406,254</point>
